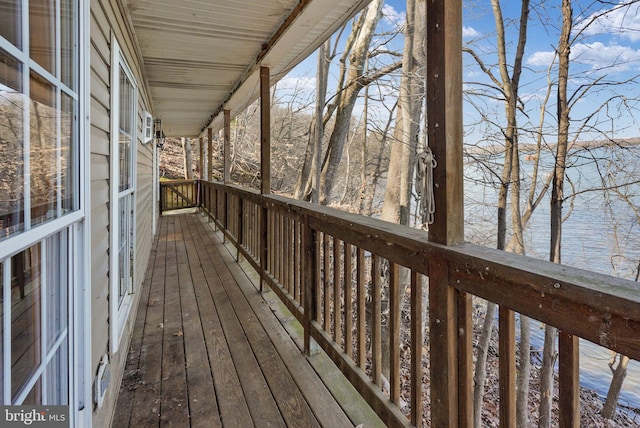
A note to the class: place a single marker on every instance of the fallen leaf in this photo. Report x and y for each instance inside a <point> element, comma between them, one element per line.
<point>178,333</point>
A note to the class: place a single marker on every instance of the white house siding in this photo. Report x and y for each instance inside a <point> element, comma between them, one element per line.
<point>107,19</point>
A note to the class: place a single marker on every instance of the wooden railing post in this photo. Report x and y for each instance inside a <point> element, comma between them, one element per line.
<point>443,339</point>
<point>310,260</point>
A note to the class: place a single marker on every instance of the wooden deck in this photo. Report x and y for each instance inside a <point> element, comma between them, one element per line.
<point>209,350</point>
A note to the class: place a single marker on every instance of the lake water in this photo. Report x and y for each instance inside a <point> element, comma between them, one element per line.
<point>602,233</point>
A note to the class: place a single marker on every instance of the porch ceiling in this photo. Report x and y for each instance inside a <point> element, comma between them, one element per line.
<point>201,57</point>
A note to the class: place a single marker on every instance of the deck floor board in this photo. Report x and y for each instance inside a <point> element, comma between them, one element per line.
<point>208,351</point>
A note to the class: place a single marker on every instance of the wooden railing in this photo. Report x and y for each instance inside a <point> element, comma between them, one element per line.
<point>178,194</point>
<point>356,283</point>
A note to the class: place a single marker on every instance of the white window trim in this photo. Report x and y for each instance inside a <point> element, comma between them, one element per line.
<point>119,312</point>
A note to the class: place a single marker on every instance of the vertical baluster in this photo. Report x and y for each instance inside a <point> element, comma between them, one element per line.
<point>320,237</point>
<point>395,306</point>
<point>311,273</point>
<point>348,301</point>
<point>376,333</point>
<point>507,351</point>
<point>361,314</point>
<point>569,379</point>
<point>327,283</point>
<point>241,242</point>
<point>416,349</point>
<point>264,244</point>
<point>337,313</point>
<point>296,260</point>
<point>465,358</point>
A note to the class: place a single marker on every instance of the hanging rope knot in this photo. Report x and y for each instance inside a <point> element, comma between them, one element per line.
<point>424,185</point>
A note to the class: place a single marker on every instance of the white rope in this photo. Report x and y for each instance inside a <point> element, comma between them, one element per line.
<point>425,163</point>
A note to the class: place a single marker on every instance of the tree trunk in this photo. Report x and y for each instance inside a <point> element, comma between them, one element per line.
<point>619,373</point>
<point>397,199</point>
<point>321,95</point>
<point>557,197</point>
<point>348,97</point>
<point>480,374</point>
<point>188,158</point>
<point>396,207</point>
<point>510,178</point>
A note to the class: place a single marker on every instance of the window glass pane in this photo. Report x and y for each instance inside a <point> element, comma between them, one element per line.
<point>10,19</point>
<point>11,146</point>
<point>126,121</point>
<point>56,312</point>
<point>69,161</point>
<point>44,151</point>
<point>124,252</point>
<point>42,33</point>
<point>68,30</point>
<point>57,375</point>
<point>25,316</point>
<point>125,161</point>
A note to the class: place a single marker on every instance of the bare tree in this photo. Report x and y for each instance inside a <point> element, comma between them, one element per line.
<point>187,153</point>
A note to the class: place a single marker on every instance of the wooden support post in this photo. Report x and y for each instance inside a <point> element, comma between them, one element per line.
<point>450,365</point>
<point>209,154</point>
<point>227,147</point>
<point>265,130</point>
<point>507,352</point>
<point>569,380</point>
<point>444,115</point>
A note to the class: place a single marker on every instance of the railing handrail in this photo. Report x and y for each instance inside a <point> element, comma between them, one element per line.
<point>600,308</point>
<point>617,295</point>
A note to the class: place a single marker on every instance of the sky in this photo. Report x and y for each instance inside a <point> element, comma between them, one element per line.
<point>606,48</point>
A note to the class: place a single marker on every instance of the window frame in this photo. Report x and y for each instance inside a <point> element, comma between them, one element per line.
<point>119,309</point>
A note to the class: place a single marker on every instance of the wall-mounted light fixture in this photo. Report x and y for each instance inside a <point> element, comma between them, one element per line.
<point>158,134</point>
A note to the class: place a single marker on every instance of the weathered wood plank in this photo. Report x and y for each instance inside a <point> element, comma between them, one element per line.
<point>203,407</point>
<point>174,404</point>
<point>292,404</point>
<point>262,406</point>
<point>146,400</point>
<point>130,381</point>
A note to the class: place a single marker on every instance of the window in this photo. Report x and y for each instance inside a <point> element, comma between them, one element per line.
<point>39,175</point>
<point>41,217</point>
<point>124,114</point>
<point>36,306</point>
